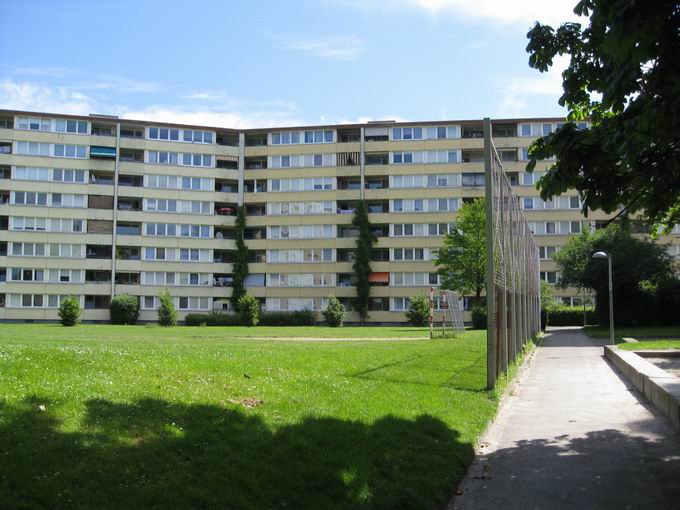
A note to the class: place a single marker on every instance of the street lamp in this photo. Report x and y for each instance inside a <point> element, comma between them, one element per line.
<point>603,255</point>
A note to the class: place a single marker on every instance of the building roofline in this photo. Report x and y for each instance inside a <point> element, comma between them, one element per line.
<point>377,124</point>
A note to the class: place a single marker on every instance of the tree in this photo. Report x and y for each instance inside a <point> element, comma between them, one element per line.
<point>240,270</point>
<point>638,266</point>
<point>124,309</point>
<point>462,257</point>
<point>362,259</point>
<point>69,311</point>
<point>167,314</point>
<point>418,312</point>
<point>334,313</point>
<point>249,310</point>
<point>628,56</point>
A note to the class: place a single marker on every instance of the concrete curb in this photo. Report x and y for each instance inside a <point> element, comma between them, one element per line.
<point>661,388</point>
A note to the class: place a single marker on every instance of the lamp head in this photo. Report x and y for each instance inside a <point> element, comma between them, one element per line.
<point>600,255</point>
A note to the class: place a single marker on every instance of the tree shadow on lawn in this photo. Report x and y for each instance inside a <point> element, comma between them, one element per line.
<point>158,454</point>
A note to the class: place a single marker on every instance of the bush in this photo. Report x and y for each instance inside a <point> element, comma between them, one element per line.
<point>69,311</point>
<point>212,319</point>
<point>334,313</point>
<point>249,310</point>
<point>297,318</point>
<point>668,302</point>
<point>124,309</point>
<point>167,315</point>
<point>479,316</point>
<point>561,315</point>
<point>418,312</point>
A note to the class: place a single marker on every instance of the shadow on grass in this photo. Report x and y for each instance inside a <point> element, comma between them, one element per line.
<point>157,454</point>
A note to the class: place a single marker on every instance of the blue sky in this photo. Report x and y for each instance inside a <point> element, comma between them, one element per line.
<point>263,63</point>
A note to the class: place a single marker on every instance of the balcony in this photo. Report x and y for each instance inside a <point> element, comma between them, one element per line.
<point>3,249</point>
<point>349,135</point>
<point>227,138</point>
<point>377,207</point>
<point>379,279</point>
<point>473,156</point>
<point>223,280</point>
<point>5,172</point>
<point>99,152</point>
<point>226,162</point>
<point>134,181</point>
<point>128,253</point>
<point>225,233</point>
<point>223,256</point>
<point>96,251</point>
<point>256,140</point>
<point>99,227</point>
<point>97,302</point>
<point>129,204</point>
<point>132,132</point>
<point>97,276</point>
<point>377,158</point>
<point>348,158</point>
<point>472,131</point>
<point>100,202</point>
<point>5,147</point>
<point>255,186</point>
<point>256,210</point>
<point>127,278</point>
<point>224,209</point>
<point>503,130</point>
<point>382,182</point>
<point>225,186</point>
<point>256,233</point>
<point>349,183</point>
<point>255,163</point>
<point>104,178</point>
<point>132,156</point>
<point>129,229</point>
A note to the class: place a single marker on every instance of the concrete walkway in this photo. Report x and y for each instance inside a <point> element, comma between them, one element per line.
<point>574,435</point>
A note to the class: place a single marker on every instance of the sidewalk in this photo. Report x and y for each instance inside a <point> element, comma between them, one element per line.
<point>574,435</point>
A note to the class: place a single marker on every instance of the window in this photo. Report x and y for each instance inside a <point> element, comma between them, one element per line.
<point>194,136</point>
<point>550,227</point>
<point>33,149</point>
<point>547,129</point>
<point>31,173</point>
<point>527,203</point>
<point>69,151</point>
<point>70,126</point>
<point>470,179</point>
<point>549,277</point>
<point>525,129</point>
<point>204,160</point>
<point>162,158</point>
<point>546,252</point>
<point>574,203</point>
<point>67,175</point>
<point>156,133</point>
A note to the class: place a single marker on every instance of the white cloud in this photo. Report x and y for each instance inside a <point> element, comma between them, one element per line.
<point>524,12</point>
<point>517,92</point>
<point>36,97</point>
<point>341,48</point>
<point>216,118</point>
<point>365,120</point>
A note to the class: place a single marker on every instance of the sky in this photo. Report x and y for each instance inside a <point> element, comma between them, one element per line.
<point>262,63</point>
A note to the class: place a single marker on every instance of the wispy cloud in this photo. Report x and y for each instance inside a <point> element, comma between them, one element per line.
<point>503,11</point>
<point>30,96</point>
<point>90,81</point>
<point>517,92</point>
<point>339,48</point>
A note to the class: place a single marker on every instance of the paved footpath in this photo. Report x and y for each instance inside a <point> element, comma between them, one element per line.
<point>574,434</point>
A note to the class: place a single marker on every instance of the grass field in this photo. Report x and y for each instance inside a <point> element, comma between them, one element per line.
<point>135,416</point>
<point>656,332</point>
<point>651,344</point>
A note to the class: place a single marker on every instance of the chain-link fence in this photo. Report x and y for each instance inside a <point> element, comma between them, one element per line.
<point>513,282</point>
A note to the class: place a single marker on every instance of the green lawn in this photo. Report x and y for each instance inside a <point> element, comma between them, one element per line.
<point>638,333</point>
<point>646,344</point>
<point>135,416</point>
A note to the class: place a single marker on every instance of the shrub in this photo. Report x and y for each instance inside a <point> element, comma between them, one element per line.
<point>124,309</point>
<point>418,312</point>
<point>668,302</point>
<point>562,315</point>
<point>212,319</point>
<point>334,313</point>
<point>69,311</point>
<point>167,315</point>
<point>297,318</point>
<point>249,310</point>
<point>479,316</point>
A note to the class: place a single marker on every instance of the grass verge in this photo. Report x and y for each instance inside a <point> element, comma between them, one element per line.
<point>637,332</point>
<point>644,345</point>
<point>113,417</point>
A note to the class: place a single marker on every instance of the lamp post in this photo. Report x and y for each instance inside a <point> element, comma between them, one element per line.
<point>603,255</point>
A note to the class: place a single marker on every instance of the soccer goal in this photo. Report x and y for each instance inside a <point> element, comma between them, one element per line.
<point>513,281</point>
<point>450,313</point>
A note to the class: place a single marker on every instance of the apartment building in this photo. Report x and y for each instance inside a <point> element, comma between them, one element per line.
<point>97,206</point>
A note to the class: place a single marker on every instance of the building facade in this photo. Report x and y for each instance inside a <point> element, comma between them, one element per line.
<point>96,206</point>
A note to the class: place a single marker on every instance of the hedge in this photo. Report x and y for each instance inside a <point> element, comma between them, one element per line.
<point>299,318</point>
<point>568,316</point>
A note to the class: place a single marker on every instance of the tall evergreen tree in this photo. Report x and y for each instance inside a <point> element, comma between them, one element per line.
<point>240,259</point>
<point>362,259</point>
